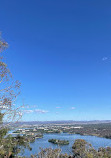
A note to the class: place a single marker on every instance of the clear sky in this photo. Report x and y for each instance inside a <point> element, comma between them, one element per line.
<point>60,50</point>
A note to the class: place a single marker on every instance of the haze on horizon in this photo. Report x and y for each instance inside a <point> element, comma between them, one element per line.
<point>61,53</point>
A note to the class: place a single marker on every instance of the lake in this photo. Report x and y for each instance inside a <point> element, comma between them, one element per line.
<point>43,142</point>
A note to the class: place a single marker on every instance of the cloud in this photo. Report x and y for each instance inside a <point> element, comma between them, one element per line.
<point>72,108</point>
<point>26,106</point>
<point>28,111</point>
<point>41,111</point>
<point>58,107</point>
<point>104,58</point>
<point>36,110</point>
<point>31,106</point>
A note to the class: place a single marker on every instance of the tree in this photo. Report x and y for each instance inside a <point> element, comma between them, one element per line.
<point>9,112</point>
<point>82,149</point>
<point>9,89</point>
<point>50,153</point>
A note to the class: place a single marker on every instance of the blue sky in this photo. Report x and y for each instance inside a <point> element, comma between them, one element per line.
<point>61,52</point>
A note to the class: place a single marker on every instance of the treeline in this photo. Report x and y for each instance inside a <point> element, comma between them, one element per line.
<point>100,130</point>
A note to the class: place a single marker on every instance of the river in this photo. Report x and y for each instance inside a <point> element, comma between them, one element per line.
<point>43,142</point>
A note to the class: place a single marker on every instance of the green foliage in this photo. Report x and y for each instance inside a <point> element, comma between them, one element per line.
<point>1,117</point>
<point>50,153</point>
<point>3,132</point>
<point>83,149</point>
<point>11,146</point>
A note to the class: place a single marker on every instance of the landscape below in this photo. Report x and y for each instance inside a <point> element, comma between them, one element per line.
<point>99,129</point>
<point>32,131</point>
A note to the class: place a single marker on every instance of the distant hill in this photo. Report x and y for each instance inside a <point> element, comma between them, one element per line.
<point>63,122</point>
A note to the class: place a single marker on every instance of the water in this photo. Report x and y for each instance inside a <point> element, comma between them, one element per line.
<point>43,142</point>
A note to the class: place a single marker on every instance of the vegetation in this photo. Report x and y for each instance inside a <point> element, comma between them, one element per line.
<point>100,130</point>
<point>50,153</point>
<point>59,142</point>
<point>82,149</point>
<point>9,146</point>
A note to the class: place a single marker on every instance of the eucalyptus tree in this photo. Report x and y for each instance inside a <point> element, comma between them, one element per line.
<point>9,111</point>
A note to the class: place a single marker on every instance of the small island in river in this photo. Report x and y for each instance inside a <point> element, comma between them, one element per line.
<point>59,142</point>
